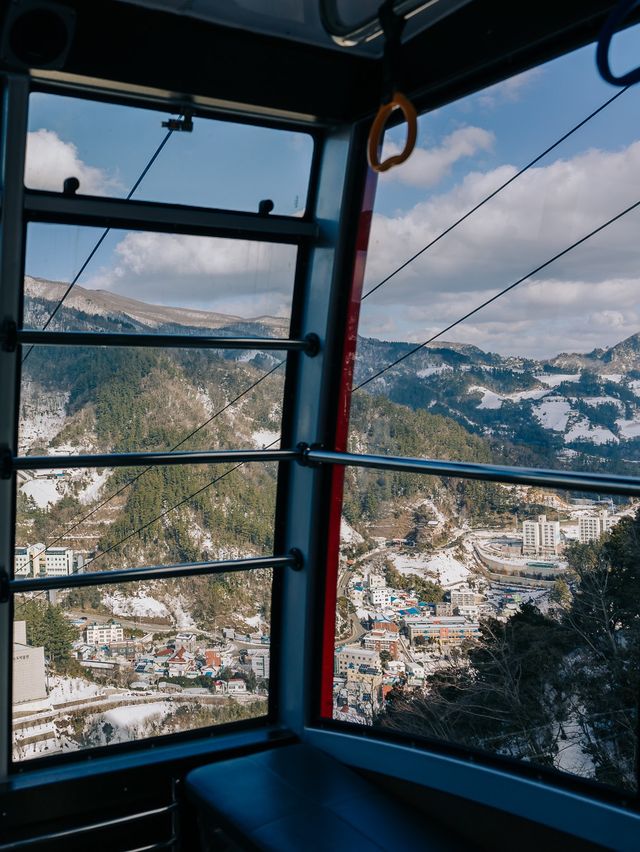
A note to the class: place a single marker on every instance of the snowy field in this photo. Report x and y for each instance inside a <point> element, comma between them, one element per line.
<point>139,604</point>
<point>442,566</point>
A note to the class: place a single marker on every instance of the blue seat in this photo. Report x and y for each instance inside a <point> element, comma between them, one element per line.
<point>298,799</point>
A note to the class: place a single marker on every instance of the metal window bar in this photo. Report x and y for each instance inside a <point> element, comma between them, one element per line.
<point>114,213</point>
<point>15,93</point>
<point>154,572</point>
<point>309,345</point>
<point>50,837</point>
<point>15,463</point>
<point>565,479</point>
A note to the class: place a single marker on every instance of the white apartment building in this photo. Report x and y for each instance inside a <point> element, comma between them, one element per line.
<point>380,597</point>
<point>462,597</point>
<point>104,634</point>
<point>377,581</point>
<point>39,561</point>
<point>353,656</point>
<point>260,663</point>
<point>29,681</point>
<point>592,527</point>
<point>540,537</point>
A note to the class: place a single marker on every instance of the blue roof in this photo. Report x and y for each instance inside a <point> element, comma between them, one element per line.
<point>411,611</point>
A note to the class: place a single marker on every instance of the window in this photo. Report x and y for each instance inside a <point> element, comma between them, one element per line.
<point>142,586</point>
<point>216,164</point>
<point>497,614</point>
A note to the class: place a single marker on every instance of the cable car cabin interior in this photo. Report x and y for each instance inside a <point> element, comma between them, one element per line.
<point>320,334</point>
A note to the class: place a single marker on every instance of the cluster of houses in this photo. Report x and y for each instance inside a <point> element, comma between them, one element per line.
<point>104,646</point>
<point>399,624</point>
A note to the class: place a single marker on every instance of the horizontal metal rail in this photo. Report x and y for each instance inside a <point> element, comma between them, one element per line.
<point>51,836</point>
<point>10,464</point>
<point>154,572</point>
<point>174,341</point>
<point>169,218</point>
<point>570,480</point>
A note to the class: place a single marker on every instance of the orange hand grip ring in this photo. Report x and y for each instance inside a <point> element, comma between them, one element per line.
<point>398,101</point>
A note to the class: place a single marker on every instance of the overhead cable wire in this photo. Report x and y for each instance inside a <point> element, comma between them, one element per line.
<point>495,192</point>
<point>101,239</point>
<point>412,351</point>
<point>152,467</point>
<point>165,512</point>
<point>498,295</point>
<point>171,450</point>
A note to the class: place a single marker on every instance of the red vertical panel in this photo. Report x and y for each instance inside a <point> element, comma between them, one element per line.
<point>341,437</point>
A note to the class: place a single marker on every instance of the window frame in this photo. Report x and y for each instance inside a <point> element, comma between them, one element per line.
<point>22,206</point>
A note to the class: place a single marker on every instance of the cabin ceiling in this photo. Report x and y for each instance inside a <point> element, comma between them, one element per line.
<point>281,60</point>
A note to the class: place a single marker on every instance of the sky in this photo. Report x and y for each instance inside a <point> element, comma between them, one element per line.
<point>588,299</point>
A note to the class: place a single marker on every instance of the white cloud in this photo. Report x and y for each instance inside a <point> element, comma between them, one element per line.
<point>229,276</point>
<point>50,160</point>
<point>427,166</point>
<point>510,90</point>
<point>591,297</point>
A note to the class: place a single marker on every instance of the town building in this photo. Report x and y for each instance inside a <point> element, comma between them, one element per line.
<point>540,537</point>
<point>376,581</point>
<point>36,560</point>
<point>380,597</point>
<point>180,663</point>
<point>447,630</point>
<point>236,686</point>
<point>352,657</point>
<point>104,634</point>
<point>382,640</point>
<point>260,663</point>
<point>592,527</point>
<point>29,680</point>
<point>464,602</point>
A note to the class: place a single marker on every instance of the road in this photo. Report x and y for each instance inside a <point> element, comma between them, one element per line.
<point>132,623</point>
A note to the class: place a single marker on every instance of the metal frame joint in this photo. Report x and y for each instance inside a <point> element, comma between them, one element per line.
<point>304,450</point>
<point>313,344</point>
<point>296,554</point>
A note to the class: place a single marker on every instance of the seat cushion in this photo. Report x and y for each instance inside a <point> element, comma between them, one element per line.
<point>296,797</point>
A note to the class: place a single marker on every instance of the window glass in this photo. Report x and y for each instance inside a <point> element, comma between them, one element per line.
<point>85,519</point>
<point>218,164</point>
<point>113,664</point>
<point>548,373</point>
<point>498,617</point>
<point>114,399</point>
<point>150,282</point>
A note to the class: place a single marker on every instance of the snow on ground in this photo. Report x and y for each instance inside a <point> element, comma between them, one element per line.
<point>628,428</point>
<point>254,621</point>
<point>553,381</point>
<point>41,415</point>
<point>44,492</point>
<point>583,430</point>
<point>347,533</point>
<point>64,689</point>
<point>602,400</point>
<point>182,619</point>
<point>442,566</point>
<point>139,604</point>
<point>96,483</point>
<point>491,399</point>
<point>553,413</point>
<point>432,369</point>
<point>634,384</point>
<point>264,437</point>
<point>613,377</point>
<point>133,719</point>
